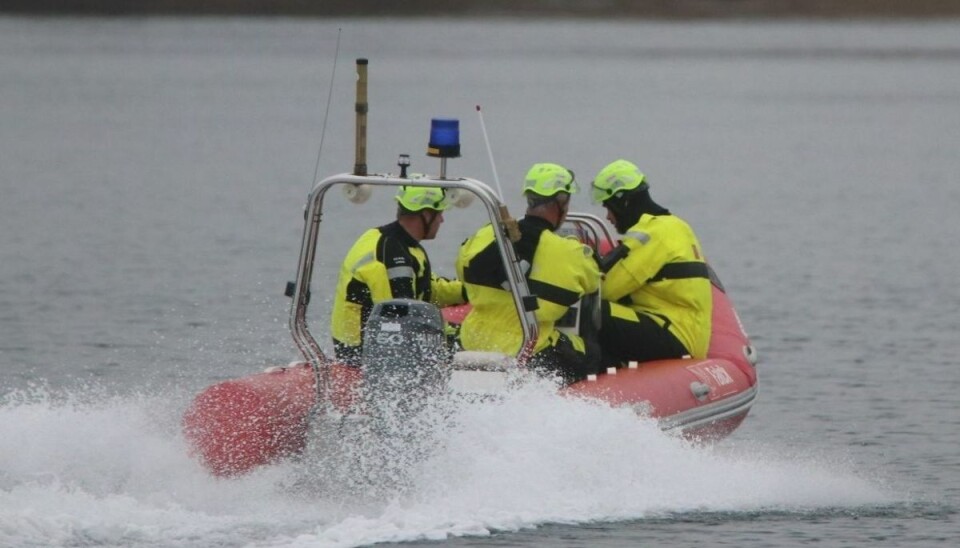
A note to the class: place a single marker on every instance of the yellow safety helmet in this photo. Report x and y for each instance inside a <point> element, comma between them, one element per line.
<point>619,176</point>
<point>549,179</point>
<point>415,198</point>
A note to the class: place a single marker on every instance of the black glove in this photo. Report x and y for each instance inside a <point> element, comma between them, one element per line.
<point>610,259</point>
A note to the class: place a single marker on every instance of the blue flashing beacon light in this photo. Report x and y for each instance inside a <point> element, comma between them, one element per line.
<point>444,138</point>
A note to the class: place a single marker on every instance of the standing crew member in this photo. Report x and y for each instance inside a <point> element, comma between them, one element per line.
<point>559,272</point>
<point>386,263</point>
<point>657,299</point>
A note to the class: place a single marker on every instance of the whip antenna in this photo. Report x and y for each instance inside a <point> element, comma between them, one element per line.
<point>486,140</point>
<point>323,128</point>
<point>513,229</point>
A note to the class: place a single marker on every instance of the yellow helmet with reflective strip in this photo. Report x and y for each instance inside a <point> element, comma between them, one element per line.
<point>416,198</point>
<point>616,177</point>
<point>549,179</point>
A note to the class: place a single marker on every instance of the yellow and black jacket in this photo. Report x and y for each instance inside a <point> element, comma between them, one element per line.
<point>665,277</point>
<point>560,271</point>
<point>385,263</point>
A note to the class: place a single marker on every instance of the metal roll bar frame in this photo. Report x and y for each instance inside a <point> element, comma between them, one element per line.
<point>496,211</point>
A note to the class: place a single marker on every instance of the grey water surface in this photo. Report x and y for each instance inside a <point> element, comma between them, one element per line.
<point>152,179</point>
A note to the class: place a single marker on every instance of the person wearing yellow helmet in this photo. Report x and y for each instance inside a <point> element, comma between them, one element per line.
<point>388,262</point>
<point>559,271</point>
<point>657,296</point>
<point>420,210</point>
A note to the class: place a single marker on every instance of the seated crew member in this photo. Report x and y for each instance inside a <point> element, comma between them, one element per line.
<point>657,299</point>
<point>388,262</point>
<point>559,272</point>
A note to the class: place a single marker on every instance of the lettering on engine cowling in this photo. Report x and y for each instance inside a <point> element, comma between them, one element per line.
<point>421,340</point>
<point>390,339</point>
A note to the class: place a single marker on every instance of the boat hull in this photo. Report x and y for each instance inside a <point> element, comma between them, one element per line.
<point>238,425</point>
<point>235,426</point>
<point>702,399</point>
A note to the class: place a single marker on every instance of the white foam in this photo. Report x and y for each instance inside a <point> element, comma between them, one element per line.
<point>114,471</point>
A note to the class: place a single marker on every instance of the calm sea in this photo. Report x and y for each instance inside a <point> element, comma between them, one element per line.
<point>152,179</point>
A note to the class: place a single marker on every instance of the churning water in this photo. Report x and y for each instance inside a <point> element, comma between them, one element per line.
<point>152,181</point>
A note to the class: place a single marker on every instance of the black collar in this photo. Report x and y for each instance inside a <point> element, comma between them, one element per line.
<point>396,230</point>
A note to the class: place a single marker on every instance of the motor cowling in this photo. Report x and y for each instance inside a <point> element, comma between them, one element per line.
<point>405,354</point>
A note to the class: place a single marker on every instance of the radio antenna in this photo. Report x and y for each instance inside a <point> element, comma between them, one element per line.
<point>486,140</point>
<point>326,111</point>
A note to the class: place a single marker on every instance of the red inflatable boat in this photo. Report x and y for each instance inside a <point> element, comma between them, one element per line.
<point>238,425</point>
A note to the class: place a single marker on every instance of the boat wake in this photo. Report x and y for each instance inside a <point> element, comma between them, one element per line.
<point>93,469</point>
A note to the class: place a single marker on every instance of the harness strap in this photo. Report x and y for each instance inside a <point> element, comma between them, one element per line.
<point>666,321</point>
<point>679,271</point>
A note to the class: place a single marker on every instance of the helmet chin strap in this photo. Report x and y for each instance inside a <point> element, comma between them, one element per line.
<point>560,211</point>
<point>427,225</point>
<point>560,214</point>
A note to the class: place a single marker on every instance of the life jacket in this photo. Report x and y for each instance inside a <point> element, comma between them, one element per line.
<point>664,275</point>
<point>558,271</point>
<point>384,263</point>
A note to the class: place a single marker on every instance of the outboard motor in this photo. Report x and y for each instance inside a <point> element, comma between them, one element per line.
<point>405,364</point>
<point>405,356</point>
<point>406,370</point>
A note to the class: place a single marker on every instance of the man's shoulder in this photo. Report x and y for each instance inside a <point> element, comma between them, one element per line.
<point>569,244</point>
<point>667,220</point>
<point>484,234</point>
<point>655,225</point>
<point>560,239</point>
<point>484,230</point>
<point>367,237</point>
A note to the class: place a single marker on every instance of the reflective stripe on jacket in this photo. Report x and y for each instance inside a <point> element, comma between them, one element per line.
<point>665,277</point>
<point>384,263</point>
<point>558,270</point>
